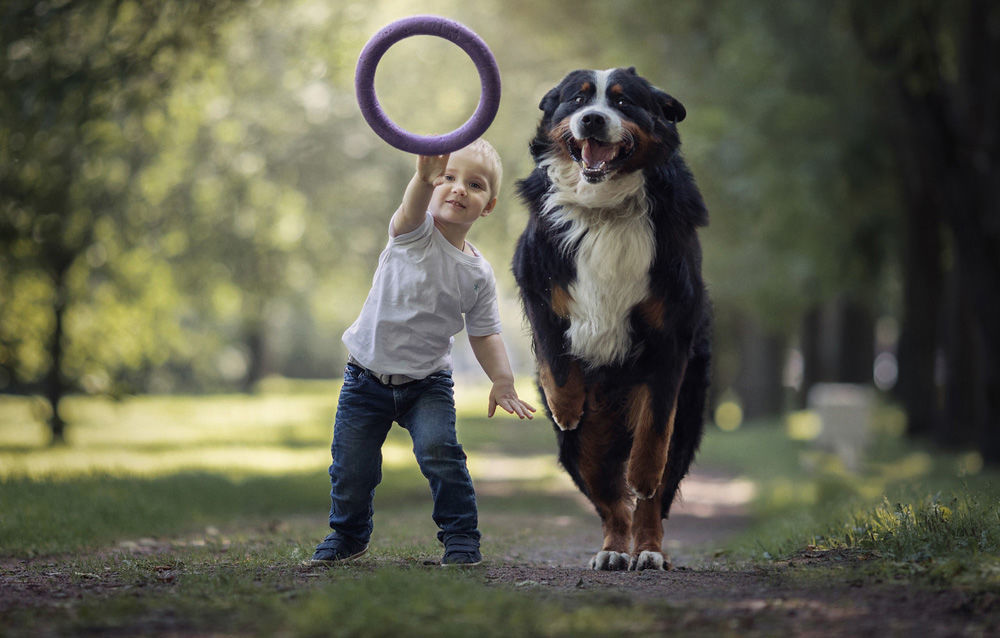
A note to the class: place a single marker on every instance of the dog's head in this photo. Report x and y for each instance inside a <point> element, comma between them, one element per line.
<point>609,122</point>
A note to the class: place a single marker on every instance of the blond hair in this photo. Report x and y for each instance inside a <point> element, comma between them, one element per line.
<point>491,159</point>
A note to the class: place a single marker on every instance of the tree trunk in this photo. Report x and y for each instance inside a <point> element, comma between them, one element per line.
<point>759,384</point>
<point>55,385</point>
<point>811,359</point>
<point>963,387</point>
<point>923,295</point>
<point>254,338</point>
<point>838,344</point>
<point>855,354</point>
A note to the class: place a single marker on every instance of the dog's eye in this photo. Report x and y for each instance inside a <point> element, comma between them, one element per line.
<point>578,99</point>
<point>621,102</point>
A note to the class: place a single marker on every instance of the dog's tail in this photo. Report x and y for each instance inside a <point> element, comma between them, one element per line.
<point>689,420</point>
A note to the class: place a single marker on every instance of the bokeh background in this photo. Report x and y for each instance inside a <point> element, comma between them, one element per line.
<point>191,202</point>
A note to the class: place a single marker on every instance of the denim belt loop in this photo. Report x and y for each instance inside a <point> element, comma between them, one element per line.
<point>384,379</point>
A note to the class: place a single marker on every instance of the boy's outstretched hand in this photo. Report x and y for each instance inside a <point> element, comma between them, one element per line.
<point>431,168</point>
<point>504,395</point>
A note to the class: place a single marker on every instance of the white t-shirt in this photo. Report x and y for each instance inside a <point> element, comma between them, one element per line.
<point>422,287</point>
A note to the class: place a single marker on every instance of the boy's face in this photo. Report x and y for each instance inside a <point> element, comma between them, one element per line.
<point>462,195</point>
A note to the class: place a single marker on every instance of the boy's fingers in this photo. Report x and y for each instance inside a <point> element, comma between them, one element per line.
<point>512,407</point>
<point>518,409</point>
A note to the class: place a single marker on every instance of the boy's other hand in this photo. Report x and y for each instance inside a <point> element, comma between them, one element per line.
<point>504,395</point>
<point>431,168</point>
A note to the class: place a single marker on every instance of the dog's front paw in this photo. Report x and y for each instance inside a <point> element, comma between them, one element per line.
<point>650,560</point>
<point>607,561</point>
<point>642,488</point>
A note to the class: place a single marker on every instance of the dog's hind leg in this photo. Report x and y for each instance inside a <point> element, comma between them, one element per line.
<point>602,450</point>
<point>688,424</point>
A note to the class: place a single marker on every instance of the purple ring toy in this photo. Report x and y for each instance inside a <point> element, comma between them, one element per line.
<point>455,32</point>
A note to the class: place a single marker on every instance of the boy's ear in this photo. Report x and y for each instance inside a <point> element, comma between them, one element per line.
<point>489,207</point>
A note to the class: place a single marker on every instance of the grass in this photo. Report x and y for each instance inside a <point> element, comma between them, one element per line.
<point>927,515</point>
<point>182,515</point>
<point>357,609</point>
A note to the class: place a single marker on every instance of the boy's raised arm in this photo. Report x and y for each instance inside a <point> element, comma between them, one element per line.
<point>413,209</point>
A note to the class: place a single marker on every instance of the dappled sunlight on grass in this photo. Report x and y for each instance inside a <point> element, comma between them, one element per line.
<point>234,460</point>
<point>152,436</point>
<point>495,467</point>
<point>285,428</point>
<point>158,465</point>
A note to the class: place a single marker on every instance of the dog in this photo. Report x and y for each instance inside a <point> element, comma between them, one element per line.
<point>609,273</point>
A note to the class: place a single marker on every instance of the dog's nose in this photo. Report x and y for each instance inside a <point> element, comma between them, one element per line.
<point>592,122</point>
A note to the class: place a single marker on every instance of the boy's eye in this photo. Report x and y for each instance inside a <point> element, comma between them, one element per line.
<point>476,185</point>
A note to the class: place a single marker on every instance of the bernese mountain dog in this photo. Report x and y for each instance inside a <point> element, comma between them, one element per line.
<point>609,271</point>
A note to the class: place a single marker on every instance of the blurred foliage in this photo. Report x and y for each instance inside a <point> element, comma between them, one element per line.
<point>217,203</point>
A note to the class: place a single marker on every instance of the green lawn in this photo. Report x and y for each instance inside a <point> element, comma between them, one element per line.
<point>932,516</point>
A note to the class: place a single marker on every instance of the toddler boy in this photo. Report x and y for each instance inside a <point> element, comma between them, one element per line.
<point>399,366</point>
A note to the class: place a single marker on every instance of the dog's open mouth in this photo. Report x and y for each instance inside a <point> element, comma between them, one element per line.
<point>598,159</point>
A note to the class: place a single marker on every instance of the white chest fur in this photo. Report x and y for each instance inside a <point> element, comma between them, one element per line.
<point>612,276</point>
<point>614,249</point>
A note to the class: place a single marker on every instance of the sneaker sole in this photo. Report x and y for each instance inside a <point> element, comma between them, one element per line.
<point>345,559</point>
<point>478,562</point>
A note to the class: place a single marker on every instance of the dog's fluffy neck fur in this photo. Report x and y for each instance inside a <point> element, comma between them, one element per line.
<point>570,189</point>
<point>607,229</point>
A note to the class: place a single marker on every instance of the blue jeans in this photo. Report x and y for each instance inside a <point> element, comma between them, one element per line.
<point>426,409</point>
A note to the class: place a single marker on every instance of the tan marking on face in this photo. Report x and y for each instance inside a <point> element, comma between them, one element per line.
<point>616,89</point>
<point>586,86</point>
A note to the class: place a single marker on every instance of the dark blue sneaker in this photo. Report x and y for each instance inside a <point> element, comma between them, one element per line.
<point>336,549</point>
<point>461,551</point>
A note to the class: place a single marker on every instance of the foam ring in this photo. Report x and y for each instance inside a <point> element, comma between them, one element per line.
<point>455,32</point>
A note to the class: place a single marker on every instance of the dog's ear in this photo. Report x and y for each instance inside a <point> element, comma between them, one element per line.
<point>550,101</point>
<point>631,71</point>
<point>672,109</point>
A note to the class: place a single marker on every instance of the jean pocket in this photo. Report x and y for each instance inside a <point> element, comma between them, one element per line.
<point>352,372</point>
<point>443,377</point>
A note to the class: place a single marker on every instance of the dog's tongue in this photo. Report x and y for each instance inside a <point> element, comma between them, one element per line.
<point>596,153</point>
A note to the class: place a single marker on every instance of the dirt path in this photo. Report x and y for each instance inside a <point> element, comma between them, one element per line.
<point>815,594</point>
<point>712,508</point>
<point>706,595</point>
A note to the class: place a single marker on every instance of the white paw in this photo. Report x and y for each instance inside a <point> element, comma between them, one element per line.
<point>610,561</point>
<point>649,560</point>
